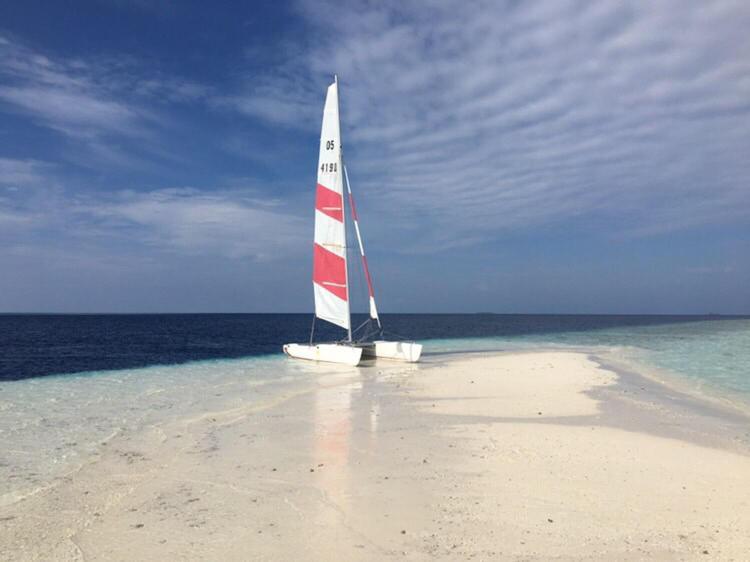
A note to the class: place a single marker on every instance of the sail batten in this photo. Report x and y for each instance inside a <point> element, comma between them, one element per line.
<point>330,275</point>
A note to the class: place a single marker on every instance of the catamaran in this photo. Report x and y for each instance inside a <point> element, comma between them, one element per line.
<point>330,263</point>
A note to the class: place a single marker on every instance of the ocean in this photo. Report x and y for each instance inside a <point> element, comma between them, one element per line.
<point>71,383</point>
<point>39,345</point>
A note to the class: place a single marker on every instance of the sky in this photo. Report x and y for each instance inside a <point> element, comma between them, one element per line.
<point>513,157</point>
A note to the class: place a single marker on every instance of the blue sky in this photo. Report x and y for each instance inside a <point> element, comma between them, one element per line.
<point>559,156</point>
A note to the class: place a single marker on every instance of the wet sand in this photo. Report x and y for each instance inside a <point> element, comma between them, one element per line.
<point>528,456</point>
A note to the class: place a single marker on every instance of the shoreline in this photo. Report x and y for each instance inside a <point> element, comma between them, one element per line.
<point>460,456</point>
<point>724,420</point>
<point>725,401</point>
<point>731,400</point>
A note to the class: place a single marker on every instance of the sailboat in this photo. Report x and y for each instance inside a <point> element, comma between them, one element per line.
<point>330,263</point>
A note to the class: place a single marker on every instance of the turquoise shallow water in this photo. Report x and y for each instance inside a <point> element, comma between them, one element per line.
<point>709,355</point>
<point>51,425</point>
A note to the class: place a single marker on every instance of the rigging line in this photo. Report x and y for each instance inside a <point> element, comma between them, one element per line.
<point>361,289</point>
<point>356,285</point>
<point>397,336</point>
<point>366,270</point>
<point>362,325</point>
<point>367,330</point>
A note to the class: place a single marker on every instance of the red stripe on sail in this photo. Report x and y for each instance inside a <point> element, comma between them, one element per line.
<point>329,271</point>
<point>329,202</point>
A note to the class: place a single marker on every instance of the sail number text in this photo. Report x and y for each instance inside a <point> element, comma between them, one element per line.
<point>333,166</point>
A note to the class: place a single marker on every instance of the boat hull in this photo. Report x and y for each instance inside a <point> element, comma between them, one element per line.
<point>327,352</point>
<point>397,350</point>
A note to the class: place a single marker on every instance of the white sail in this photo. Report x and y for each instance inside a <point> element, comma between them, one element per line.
<point>330,276</point>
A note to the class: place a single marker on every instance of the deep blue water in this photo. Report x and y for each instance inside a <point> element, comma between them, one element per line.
<point>40,345</point>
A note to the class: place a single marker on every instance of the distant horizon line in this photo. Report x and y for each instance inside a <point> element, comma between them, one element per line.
<point>684,314</point>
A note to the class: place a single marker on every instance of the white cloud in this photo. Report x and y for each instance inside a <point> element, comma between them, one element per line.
<point>89,99</point>
<point>233,223</point>
<point>236,223</point>
<point>170,89</point>
<point>63,95</point>
<point>461,122</point>
<point>470,119</point>
<point>15,173</point>
<point>283,96</point>
<point>75,113</point>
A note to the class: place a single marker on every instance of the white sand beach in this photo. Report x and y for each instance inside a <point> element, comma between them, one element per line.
<point>527,456</point>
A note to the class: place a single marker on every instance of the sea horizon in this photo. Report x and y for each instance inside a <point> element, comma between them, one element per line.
<point>136,313</point>
<point>89,344</point>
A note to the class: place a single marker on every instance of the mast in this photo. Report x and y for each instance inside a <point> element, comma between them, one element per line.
<point>330,268</point>
<point>343,208</point>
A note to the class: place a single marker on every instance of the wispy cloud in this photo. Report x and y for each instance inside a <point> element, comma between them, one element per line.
<point>235,224</point>
<point>471,120</point>
<point>281,94</point>
<point>232,223</point>
<point>62,95</point>
<point>171,89</point>
<point>110,106</point>
<point>15,173</point>
<point>92,101</point>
